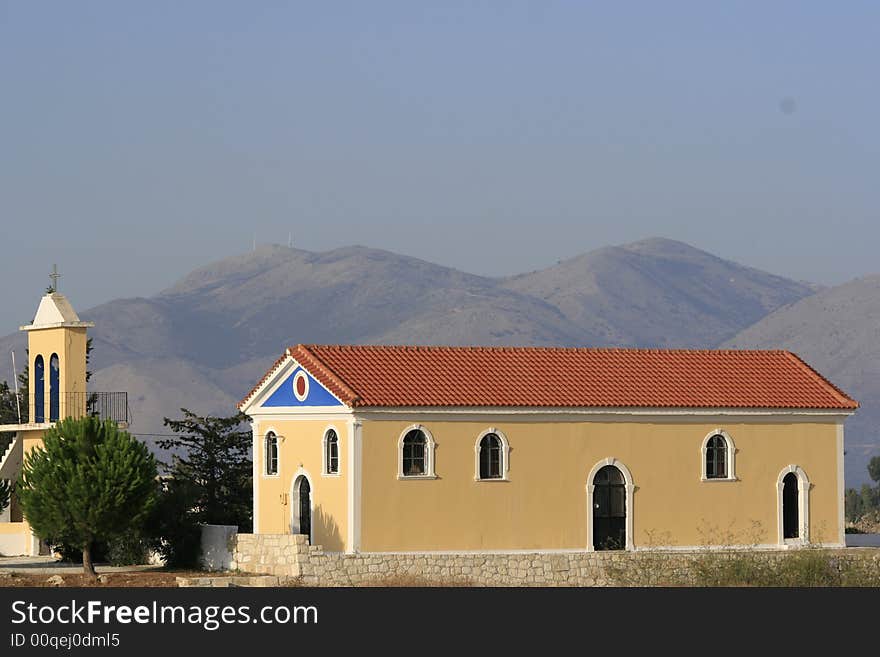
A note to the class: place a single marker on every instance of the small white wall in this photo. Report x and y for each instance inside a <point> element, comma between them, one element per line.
<point>218,543</point>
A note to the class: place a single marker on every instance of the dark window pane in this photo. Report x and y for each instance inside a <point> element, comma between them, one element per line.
<point>490,457</point>
<point>271,454</point>
<point>332,449</point>
<point>414,461</point>
<point>716,458</point>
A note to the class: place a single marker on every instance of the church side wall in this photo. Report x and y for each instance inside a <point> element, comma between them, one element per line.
<point>300,451</point>
<point>543,506</point>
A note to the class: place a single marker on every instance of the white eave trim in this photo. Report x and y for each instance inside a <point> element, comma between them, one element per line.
<point>40,327</point>
<point>274,381</point>
<point>605,412</point>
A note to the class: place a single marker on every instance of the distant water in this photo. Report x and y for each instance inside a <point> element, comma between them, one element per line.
<point>863,540</point>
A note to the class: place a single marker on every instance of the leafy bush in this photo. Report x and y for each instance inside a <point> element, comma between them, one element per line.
<point>127,550</point>
<point>173,527</point>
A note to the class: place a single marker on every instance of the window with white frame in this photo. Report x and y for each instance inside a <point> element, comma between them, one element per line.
<point>416,453</point>
<point>491,456</point>
<point>271,452</point>
<point>331,452</point>
<point>718,456</point>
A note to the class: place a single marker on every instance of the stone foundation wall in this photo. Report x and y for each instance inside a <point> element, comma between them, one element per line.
<point>290,556</point>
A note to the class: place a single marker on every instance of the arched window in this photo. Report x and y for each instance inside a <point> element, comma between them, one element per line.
<point>416,453</point>
<point>271,453</point>
<point>717,454</point>
<point>491,456</point>
<point>331,452</point>
<point>54,375</point>
<point>415,456</point>
<point>39,390</point>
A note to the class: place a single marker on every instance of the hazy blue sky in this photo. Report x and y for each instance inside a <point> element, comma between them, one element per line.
<point>140,140</point>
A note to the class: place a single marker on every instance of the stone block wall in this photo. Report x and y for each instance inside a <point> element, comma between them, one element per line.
<point>291,556</point>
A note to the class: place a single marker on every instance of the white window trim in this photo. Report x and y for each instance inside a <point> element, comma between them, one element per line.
<point>294,503</point>
<point>430,446</point>
<point>264,469</point>
<point>505,455</point>
<point>630,489</point>
<point>324,471</point>
<point>731,456</point>
<point>803,508</point>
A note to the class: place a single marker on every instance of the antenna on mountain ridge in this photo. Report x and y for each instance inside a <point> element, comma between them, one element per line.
<point>290,240</point>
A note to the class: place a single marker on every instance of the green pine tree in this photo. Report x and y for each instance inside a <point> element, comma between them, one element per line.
<point>211,455</point>
<point>90,481</point>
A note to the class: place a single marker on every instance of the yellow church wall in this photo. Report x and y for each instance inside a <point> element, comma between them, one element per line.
<point>70,345</point>
<point>15,536</point>
<point>543,506</point>
<point>300,448</point>
<point>31,439</point>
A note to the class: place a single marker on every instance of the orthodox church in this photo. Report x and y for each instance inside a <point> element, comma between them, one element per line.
<point>390,449</point>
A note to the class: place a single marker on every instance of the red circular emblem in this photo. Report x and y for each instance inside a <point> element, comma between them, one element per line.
<point>301,386</point>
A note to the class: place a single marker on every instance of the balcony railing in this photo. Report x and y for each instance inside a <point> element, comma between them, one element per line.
<point>103,405</point>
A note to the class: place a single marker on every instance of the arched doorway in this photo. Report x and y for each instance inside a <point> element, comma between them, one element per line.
<point>790,506</point>
<point>793,506</point>
<point>609,509</point>
<point>301,509</point>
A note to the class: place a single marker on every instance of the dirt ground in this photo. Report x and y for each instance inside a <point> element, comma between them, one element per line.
<point>148,578</point>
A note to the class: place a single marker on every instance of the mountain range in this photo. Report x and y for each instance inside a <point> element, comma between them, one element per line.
<point>202,343</point>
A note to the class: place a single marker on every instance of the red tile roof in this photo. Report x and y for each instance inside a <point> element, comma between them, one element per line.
<point>392,376</point>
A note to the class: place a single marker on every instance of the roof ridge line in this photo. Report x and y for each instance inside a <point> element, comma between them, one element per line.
<point>522,348</point>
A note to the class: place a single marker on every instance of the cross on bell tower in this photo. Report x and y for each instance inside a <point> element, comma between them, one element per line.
<point>57,352</point>
<point>54,276</point>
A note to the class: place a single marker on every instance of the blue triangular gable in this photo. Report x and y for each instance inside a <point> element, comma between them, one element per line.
<point>316,394</point>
